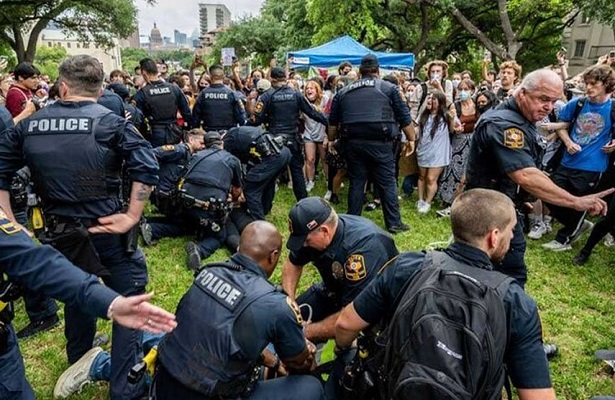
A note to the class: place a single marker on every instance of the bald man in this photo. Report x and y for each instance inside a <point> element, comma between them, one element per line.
<point>505,153</point>
<point>225,321</point>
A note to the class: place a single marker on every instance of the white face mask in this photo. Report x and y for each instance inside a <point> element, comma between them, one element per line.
<point>456,83</point>
<point>435,76</point>
<point>464,95</point>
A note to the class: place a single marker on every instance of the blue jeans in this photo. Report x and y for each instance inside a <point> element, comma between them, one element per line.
<point>13,383</point>
<point>101,366</point>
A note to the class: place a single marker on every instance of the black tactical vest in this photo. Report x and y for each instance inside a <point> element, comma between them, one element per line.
<point>161,102</point>
<point>217,108</point>
<point>366,101</point>
<point>202,353</point>
<point>92,172</point>
<point>209,174</point>
<point>284,112</point>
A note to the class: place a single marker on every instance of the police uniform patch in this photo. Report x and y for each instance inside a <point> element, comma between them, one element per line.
<point>240,104</point>
<point>168,147</point>
<point>6,225</point>
<point>513,138</point>
<point>337,270</point>
<point>354,269</point>
<point>259,107</point>
<point>295,309</point>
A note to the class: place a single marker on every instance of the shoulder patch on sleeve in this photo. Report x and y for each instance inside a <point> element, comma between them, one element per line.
<point>6,225</point>
<point>168,147</point>
<point>240,103</point>
<point>259,107</point>
<point>354,269</point>
<point>513,138</point>
<point>295,309</point>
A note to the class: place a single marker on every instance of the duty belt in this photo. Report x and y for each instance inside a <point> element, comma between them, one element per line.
<point>212,204</point>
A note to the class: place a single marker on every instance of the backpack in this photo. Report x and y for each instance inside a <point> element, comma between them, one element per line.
<point>448,335</point>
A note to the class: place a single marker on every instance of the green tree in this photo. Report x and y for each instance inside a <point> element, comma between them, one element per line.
<point>21,22</point>
<point>131,57</point>
<point>48,59</point>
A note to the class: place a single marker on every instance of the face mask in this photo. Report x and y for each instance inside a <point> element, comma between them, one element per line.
<point>435,77</point>
<point>456,83</point>
<point>464,95</point>
<point>482,109</point>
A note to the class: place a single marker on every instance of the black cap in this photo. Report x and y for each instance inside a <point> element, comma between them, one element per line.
<point>211,138</point>
<point>120,89</point>
<point>277,73</point>
<point>369,61</point>
<point>305,216</point>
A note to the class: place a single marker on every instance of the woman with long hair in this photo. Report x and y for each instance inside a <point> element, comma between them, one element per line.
<point>313,134</point>
<point>433,150</point>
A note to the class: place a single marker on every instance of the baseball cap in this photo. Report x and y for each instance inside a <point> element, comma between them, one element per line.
<point>369,61</point>
<point>263,85</point>
<point>277,73</point>
<point>304,217</point>
<point>211,138</point>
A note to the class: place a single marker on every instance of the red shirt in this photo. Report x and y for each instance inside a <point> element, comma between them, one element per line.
<point>16,99</point>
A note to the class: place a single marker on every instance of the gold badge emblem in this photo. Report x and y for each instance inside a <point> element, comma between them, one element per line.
<point>355,268</point>
<point>258,107</point>
<point>513,138</point>
<point>168,147</point>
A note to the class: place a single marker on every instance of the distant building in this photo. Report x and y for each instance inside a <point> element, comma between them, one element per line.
<point>210,38</point>
<point>155,39</point>
<point>181,39</point>
<point>110,58</point>
<point>133,40</point>
<point>585,41</point>
<point>213,16</point>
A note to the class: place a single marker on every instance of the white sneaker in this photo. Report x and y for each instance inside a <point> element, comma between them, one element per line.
<point>419,204</point>
<point>327,195</point>
<point>309,185</point>
<point>538,229</point>
<point>444,213</point>
<point>609,241</point>
<point>424,209</point>
<point>585,227</point>
<point>554,245</point>
<point>76,376</point>
<point>289,184</point>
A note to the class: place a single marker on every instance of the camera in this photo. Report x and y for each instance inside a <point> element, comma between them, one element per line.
<point>612,54</point>
<point>39,102</point>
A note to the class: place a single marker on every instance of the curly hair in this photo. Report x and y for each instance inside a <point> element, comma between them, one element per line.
<point>601,73</point>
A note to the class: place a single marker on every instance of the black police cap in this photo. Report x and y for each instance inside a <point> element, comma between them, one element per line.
<point>369,61</point>
<point>304,217</point>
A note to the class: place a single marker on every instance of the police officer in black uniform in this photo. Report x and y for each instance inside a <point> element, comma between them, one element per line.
<point>113,102</point>
<point>225,321</point>
<point>368,113</point>
<point>218,108</point>
<point>482,221</point>
<point>505,153</point>
<point>41,310</point>
<point>159,101</point>
<point>346,249</point>
<point>133,114</point>
<point>213,179</point>
<point>279,108</point>
<point>265,158</point>
<point>44,270</point>
<point>80,199</point>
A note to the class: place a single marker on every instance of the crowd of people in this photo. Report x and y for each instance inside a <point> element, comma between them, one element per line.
<point>503,155</point>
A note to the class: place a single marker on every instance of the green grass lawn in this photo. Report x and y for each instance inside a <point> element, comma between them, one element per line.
<point>576,303</point>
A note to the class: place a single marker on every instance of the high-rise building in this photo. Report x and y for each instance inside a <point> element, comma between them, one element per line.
<point>181,39</point>
<point>213,16</point>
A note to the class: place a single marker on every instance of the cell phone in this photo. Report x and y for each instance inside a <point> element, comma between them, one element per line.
<point>4,58</point>
<point>612,54</point>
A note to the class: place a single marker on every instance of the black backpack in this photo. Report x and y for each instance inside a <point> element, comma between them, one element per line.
<point>448,335</point>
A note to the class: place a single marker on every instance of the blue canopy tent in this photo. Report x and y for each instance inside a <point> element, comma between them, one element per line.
<point>346,48</point>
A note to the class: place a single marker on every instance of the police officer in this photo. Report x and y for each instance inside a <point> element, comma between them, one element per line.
<point>159,101</point>
<point>218,108</point>
<point>368,112</point>
<point>113,102</point>
<point>225,321</point>
<point>212,179</point>
<point>279,108</point>
<point>133,114</point>
<point>482,223</point>
<point>265,158</point>
<point>172,159</point>
<point>80,199</point>
<point>505,155</point>
<point>44,270</point>
<point>41,310</point>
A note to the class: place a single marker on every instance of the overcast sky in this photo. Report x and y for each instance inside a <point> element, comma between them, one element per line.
<point>183,15</point>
